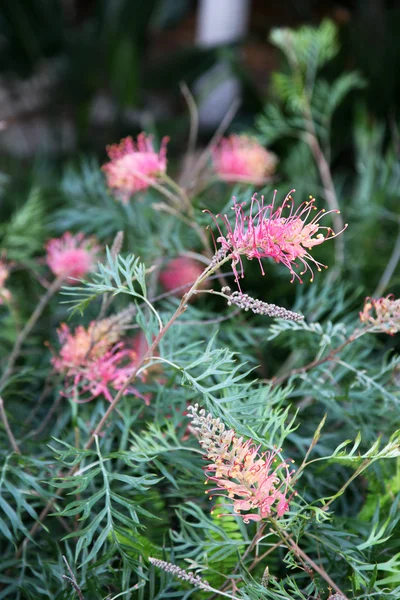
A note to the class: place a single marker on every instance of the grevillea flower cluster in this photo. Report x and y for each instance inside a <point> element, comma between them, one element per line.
<point>241,158</point>
<point>257,483</point>
<point>94,361</point>
<point>5,295</point>
<point>71,256</point>
<point>382,313</point>
<point>282,234</point>
<point>259,307</point>
<point>134,166</point>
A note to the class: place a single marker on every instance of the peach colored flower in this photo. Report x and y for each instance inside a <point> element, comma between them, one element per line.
<point>134,167</point>
<point>180,273</point>
<point>273,233</point>
<point>111,371</point>
<point>95,361</point>
<point>382,313</point>
<point>257,483</point>
<point>71,256</point>
<point>241,158</point>
<point>78,348</point>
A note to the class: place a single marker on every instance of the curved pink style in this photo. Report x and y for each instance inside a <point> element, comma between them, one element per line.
<point>282,234</point>
<point>134,166</point>
<point>242,158</point>
<point>71,256</point>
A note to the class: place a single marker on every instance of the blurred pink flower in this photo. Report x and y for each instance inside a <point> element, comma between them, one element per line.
<point>71,256</point>
<point>241,158</point>
<point>110,371</point>
<point>134,167</point>
<point>78,348</point>
<point>94,361</point>
<point>179,272</point>
<point>5,294</point>
<point>270,233</point>
<point>383,314</point>
<point>254,481</point>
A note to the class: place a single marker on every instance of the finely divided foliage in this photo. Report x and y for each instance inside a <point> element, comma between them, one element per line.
<point>127,383</point>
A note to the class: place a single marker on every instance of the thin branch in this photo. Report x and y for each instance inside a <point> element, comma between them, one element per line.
<point>316,362</point>
<point>193,131</point>
<point>50,413</point>
<point>389,270</point>
<point>226,121</point>
<point>7,427</point>
<point>72,580</point>
<point>28,328</point>
<point>320,570</point>
<point>47,388</point>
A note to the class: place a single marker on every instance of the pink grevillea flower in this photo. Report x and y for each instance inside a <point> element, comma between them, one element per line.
<point>94,361</point>
<point>180,273</point>
<point>71,256</point>
<point>134,167</point>
<point>78,348</point>
<point>105,373</point>
<point>382,313</point>
<point>241,158</point>
<point>5,294</point>
<point>257,483</point>
<point>281,234</point>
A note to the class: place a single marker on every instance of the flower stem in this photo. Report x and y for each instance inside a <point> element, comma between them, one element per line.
<point>389,270</point>
<point>319,361</point>
<point>7,427</point>
<point>291,544</point>
<point>27,329</point>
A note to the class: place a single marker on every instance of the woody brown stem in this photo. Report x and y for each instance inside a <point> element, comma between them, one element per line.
<point>7,427</point>
<point>317,362</point>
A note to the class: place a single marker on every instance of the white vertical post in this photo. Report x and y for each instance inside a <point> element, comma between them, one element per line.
<point>219,22</point>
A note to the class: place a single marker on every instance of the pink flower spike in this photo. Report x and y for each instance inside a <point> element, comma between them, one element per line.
<point>256,483</point>
<point>134,167</point>
<point>242,158</point>
<point>71,256</point>
<point>282,234</point>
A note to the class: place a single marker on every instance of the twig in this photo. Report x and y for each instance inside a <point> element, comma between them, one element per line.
<point>316,362</point>
<point>47,387</point>
<point>27,329</point>
<point>320,570</point>
<point>7,427</point>
<point>72,580</point>
<point>193,129</point>
<point>329,190</point>
<point>390,269</point>
<point>50,413</point>
<point>226,121</point>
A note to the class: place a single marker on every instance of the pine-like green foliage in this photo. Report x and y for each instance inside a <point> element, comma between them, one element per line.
<point>109,486</point>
